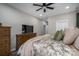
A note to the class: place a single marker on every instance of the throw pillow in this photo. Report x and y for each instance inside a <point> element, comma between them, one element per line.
<point>70,35</point>
<point>76,43</point>
<point>56,34</point>
<point>59,35</point>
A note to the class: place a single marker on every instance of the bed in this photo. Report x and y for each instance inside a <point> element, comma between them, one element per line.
<point>45,46</point>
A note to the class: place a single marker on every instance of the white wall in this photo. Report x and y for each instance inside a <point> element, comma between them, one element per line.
<point>71,17</point>
<point>13,18</point>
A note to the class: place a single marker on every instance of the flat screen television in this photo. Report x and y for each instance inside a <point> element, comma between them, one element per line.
<point>27,29</point>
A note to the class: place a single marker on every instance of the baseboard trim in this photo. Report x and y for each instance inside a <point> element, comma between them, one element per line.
<point>13,49</point>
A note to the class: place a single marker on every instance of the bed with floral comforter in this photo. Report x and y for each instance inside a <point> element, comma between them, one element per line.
<point>46,46</point>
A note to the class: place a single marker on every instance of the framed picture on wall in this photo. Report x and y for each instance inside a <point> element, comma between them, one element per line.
<point>27,29</point>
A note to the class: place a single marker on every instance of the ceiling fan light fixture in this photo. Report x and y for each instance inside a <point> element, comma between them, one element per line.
<point>40,14</point>
<point>67,7</point>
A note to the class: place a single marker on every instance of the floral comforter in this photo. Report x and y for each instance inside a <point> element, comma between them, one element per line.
<point>46,46</point>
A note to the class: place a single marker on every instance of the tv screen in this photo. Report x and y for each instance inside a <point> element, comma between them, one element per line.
<point>27,29</point>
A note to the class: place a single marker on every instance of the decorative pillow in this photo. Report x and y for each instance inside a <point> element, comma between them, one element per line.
<point>76,43</point>
<point>70,35</point>
<point>58,35</point>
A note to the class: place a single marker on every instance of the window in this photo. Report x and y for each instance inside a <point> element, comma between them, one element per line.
<point>61,24</point>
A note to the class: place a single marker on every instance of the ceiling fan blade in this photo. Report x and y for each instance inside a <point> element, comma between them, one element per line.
<point>37,5</point>
<point>38,9</point>
<point>50,7</point>
<point>49,4</point>
<point>44,10</point>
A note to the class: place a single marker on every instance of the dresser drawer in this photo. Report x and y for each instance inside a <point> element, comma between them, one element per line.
<point>4,32</point>
<point>4,52</point>
<point>4,38</point>
<point>4,28</point>
<point>4,41</point>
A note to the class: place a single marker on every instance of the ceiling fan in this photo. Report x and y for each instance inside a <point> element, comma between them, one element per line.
<point>44,6</point>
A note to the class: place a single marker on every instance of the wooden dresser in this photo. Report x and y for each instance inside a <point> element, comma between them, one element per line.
<point>4,41</point>
<point>21,38</point>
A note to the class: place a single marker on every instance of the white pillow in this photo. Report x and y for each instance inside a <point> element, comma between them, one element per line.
<point>70,35</point>
<point>76,43</point>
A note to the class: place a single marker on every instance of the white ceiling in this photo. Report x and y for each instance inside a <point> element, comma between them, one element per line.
<point>59,8</point>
